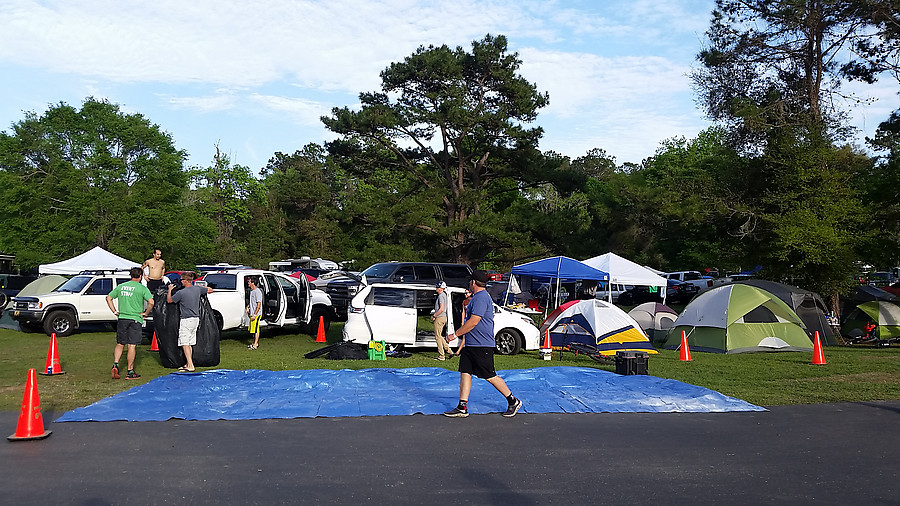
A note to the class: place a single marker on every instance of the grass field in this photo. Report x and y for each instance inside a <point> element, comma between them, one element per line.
<point>852,374</point>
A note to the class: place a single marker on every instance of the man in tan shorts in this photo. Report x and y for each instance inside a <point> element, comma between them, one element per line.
<point>155,268</point>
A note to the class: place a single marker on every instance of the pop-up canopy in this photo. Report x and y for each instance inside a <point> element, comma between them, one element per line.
<point>92,260</point>
<point>558,269</point>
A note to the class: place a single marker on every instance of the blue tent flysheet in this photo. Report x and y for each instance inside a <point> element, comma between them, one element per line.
<point>223,394</point>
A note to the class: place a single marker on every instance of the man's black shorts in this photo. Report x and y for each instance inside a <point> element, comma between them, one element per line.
<point>128,332</point>
<point>153,284</point>
<point>478,361</point>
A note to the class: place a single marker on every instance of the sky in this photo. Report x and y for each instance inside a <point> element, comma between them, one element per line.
<point>254,77</point>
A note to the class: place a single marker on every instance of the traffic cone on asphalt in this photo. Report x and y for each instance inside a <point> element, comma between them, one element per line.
<point>818,354</point>
<point>31,423</point>
<point>685,353</point>
<point>53,367</point>
<point>546,350</point>
<point>154,345</point>
<point>320,336</point>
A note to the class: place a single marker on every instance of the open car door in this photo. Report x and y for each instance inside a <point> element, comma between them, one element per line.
<point>391,314</point>
<point>274,304</point>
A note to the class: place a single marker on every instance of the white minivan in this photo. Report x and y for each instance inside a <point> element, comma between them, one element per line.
<point>399,314</point>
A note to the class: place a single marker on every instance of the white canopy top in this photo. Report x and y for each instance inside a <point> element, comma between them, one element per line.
<point>95,259</point>
<point>624,271</point>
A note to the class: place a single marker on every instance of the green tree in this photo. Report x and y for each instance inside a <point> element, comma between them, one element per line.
<point>224,195</point>
<point>770,73</point>
<point>72,179</point>
<point>453,122</point>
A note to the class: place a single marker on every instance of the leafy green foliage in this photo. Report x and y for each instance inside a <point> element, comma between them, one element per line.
<point>73,179</point>
<point>454,128</point>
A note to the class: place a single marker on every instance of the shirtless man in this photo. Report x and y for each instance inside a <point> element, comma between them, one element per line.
<point>155,268</point>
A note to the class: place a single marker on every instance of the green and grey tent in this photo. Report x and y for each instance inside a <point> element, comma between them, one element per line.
<point>739,319</point>
<point>885,314</point>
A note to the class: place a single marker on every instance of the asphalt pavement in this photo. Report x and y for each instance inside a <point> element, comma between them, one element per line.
<point>845,453</point>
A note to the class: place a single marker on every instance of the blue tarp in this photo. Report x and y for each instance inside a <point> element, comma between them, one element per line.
<point>560,268</point>
<point>223,394</point>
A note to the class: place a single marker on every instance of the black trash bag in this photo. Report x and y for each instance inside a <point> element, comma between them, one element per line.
<point>348,351</point>
<point>167,319</point>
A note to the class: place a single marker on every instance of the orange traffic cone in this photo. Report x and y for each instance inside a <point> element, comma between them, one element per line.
<point>31,423</point>
<point>53,367</point>
<point>546,350</point>
<point>685,354</point>
<point>320,336</point>
<point>818,354</point>
<point>154,345</point>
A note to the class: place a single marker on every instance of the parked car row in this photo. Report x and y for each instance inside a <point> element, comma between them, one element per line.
<point>677,292</point>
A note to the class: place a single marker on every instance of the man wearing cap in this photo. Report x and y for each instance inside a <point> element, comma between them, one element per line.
<point>441,306</point>
<point>477,353</point>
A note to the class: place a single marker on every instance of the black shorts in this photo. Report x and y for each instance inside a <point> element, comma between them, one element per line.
<point>478,361</point>
<point>153,284</point>
<point>128,332</point>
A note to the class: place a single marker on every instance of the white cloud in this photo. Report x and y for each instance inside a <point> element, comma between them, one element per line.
<point>302,111</point>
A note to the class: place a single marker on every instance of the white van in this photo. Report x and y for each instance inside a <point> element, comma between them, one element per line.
<point>399,314</point>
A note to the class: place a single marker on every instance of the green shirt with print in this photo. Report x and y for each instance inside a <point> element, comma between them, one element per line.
<point>131,296</point>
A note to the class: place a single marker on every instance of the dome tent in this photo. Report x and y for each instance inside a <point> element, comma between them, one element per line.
<point>597,323</point>
<point>883,313</point>
<point>655,319</point>
<point>808,305</point>
<point>739,318</point>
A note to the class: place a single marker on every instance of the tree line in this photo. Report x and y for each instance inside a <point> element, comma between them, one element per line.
<point>443,164</point>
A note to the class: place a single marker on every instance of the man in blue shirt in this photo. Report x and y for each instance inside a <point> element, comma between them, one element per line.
<point>477,349</point>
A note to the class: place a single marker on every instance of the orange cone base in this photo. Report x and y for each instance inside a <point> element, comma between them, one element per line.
<point>45,435</point>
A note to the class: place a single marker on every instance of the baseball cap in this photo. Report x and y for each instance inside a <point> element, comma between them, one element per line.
<point>480,276</point>
<point>441,285</point>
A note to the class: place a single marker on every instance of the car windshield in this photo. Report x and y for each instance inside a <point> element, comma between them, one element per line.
<point>75,284</point>
<point>379,270</point>
<point>218,281</point>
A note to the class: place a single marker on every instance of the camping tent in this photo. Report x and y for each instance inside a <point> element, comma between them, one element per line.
<point>739,318</point>
<point>92,260</point>
<point>597,323</point>
<point>885,314</point>
<point>865,293</point>
<point>42,285</point>
<point>808,305</point>
<point>558,268</point>
<point>625,272</point>
<point>655,319</point>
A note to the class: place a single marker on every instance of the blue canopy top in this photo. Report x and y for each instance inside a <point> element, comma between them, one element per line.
<point>560,268</point>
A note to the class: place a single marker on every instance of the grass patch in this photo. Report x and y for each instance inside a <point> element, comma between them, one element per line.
<point>852,374</point>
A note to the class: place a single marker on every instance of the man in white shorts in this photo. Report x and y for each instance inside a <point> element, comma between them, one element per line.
<point>188,299</point>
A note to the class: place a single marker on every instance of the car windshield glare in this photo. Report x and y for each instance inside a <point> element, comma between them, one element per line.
<point>379,271</point>
<point>218,281</point>
<point>75,284</point>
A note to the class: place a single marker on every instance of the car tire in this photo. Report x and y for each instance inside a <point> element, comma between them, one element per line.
<point>508,342</point>
<point>312,328</point>
<point>4,300</point>
<point>60,322</point>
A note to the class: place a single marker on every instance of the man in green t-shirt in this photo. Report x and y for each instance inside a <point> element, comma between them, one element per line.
<point>131,296</point>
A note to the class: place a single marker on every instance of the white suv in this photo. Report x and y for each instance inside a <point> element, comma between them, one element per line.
<point>693,277</point>
<point>81,299</point>
<point>286,300</point>
<point>399,314</point>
